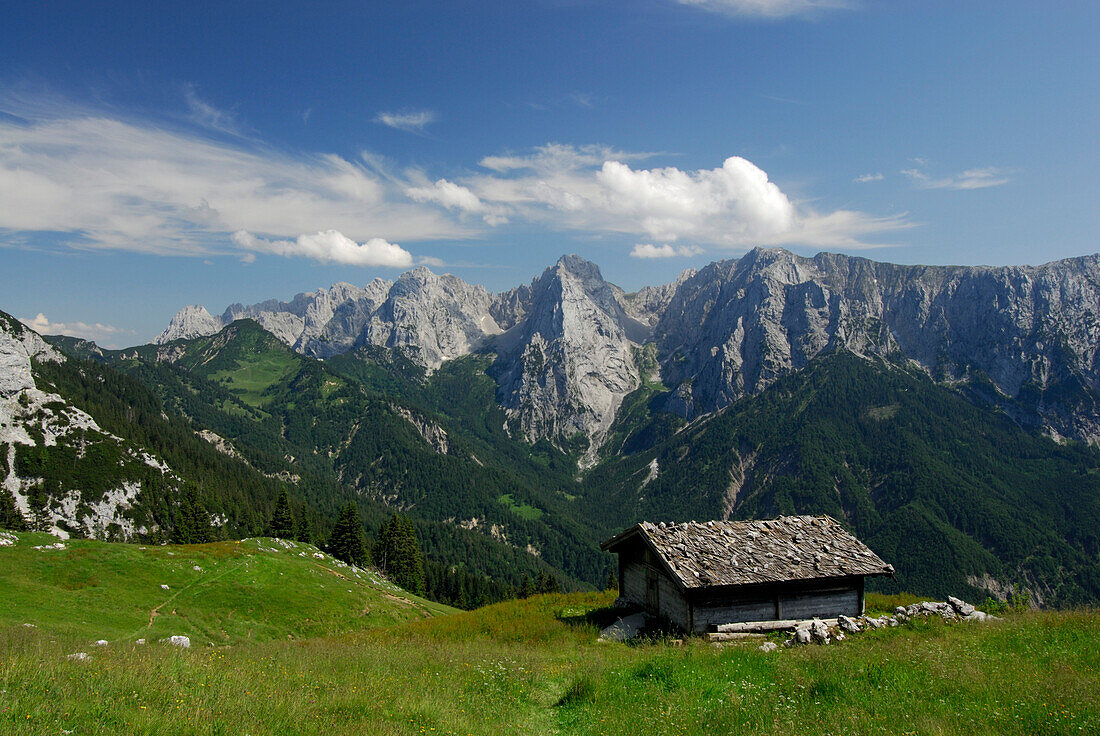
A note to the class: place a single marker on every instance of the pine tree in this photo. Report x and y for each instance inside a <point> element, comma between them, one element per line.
<point>612,582</point>
<point>347,541</point>
<point>528,588</point>
<point>10,518</point>
<point>282,519</point>
<point>193,521</point>
<point>398,553</point>
<point>548,583</point>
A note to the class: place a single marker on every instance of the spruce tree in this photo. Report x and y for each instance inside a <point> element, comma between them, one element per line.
<point>10,518</point>
<point>347,541</point>
<point>398,553</point>
<point>527,589</point>
<point>282,519</point>
<point>193,520</point>
<point>612,582</point>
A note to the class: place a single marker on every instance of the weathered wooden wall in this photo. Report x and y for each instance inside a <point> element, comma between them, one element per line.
<point>636,570</point>
<point>828,603</point>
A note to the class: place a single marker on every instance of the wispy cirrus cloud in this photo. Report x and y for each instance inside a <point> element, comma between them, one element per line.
<point>99,181</point>
<point>105,335</point>
<point>990,176</point>
<point>410,121</point>
<point>203,113</point>
<point>865,178</point>
<point>772,9</point>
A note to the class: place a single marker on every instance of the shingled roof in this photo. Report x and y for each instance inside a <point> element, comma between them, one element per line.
<point>713,553</point>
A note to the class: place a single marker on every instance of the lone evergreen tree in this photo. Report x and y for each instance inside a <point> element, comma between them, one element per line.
<point>193,521</point>
<point>548,583</point>
<point>398,553</point>
<point>527,589</point>
<point>347,542</point>
<point>282,519</point>
<point>10,518</point>
<point>612,582</point>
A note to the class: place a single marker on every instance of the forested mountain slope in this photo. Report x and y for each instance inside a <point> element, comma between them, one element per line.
<point>957,496</point>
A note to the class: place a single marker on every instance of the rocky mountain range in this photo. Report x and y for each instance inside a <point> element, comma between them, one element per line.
<point>565,345</point>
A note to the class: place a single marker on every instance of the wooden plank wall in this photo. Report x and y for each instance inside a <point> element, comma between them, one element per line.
<point>632,587</point>
<point>734,611</point>
<point>820,603</point>
<point>671,603</point>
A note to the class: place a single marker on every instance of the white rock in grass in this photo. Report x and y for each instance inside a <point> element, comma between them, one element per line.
<point>163,586</point>
<point>961,607</point>
<point>140,641</point>
<point>30,626</point>
<point>78,656</point>
<point>768,646</point>
<point>100,643</point>
<point>179,641</point>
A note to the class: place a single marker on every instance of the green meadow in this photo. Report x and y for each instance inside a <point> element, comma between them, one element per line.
<point>278,657</point>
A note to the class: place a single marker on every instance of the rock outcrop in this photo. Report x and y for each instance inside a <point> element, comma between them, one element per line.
<point>33,417</point>
<point>432,318</point>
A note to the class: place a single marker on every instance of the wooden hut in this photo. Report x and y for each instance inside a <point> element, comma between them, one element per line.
<point>702,575</point>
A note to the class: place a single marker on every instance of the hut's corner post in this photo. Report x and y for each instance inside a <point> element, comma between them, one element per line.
<point>862,597</point>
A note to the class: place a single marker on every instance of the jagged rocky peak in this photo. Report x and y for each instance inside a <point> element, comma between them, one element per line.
<point>188,323</point>
<point>648,303</point>
<point>566,364</point>
<point>319,323</point>
<point>433,318</point>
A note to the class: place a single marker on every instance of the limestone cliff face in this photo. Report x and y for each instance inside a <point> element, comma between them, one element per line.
<point>567,362</point>
<point>736,326</point>
<point>433,318</point>
<point>319,323</point>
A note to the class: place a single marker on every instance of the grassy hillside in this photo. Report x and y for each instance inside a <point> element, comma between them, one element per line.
<point>535,667</point>
<point>224,593</point>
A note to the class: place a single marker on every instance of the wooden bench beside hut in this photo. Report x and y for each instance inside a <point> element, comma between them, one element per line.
<point>702,575</point>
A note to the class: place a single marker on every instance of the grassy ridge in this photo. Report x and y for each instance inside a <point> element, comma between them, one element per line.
<point>254,589</point>
<point>534,666</point>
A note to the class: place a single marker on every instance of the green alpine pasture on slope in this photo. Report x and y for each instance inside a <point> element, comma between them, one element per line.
<point>529,666</point>
<point>223,593</point>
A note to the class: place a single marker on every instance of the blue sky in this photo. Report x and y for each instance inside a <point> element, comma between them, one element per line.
<point>154,155</point>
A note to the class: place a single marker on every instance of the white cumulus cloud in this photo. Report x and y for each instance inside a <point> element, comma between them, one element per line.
<point>105,335</point>
<point>329,246</point>
<point>864,178</point>
<point>448,194</point>
<point>648,250</point>
<point>593,189</point>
